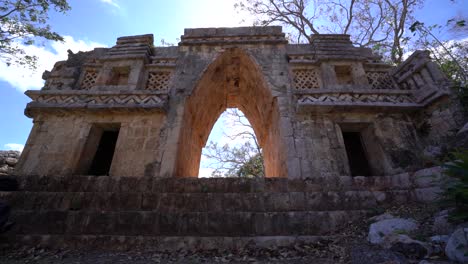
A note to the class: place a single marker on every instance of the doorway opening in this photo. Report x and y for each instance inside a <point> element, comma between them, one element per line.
<point>98,152</point>
<point>357,156</point>
<point>232,149</point>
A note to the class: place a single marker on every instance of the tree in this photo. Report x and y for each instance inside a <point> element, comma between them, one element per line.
<point>24,22</point>
<point>377,24</point>
<point>243,160</point>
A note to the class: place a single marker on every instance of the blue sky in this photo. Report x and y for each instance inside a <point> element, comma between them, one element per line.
<point>93,23</point>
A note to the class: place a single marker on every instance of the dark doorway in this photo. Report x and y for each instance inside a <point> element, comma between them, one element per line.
<point>358,163</point>
<point>105,152</point>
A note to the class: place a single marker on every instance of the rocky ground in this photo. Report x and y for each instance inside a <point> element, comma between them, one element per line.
<point>410,244</point>
<point>8,160</point>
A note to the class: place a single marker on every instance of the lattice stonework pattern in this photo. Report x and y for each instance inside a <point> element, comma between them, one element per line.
<point>306,79</point>
<point>158,80</point>
<point>89,80</point>
<point>380,80</point>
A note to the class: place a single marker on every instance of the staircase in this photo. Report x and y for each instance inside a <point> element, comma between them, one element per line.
<point>174,213</point>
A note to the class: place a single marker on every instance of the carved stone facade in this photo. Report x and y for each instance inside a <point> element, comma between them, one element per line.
<point>340,132</point>
<point>300,100</point>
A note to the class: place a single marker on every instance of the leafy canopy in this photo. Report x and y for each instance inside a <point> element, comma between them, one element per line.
<point>24,22</point>
<point>377,24</point>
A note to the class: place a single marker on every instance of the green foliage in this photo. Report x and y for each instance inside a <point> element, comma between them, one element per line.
<point>456,190</point>
<point>236,161</point>
<point>24,22</point>
<point>252,168</point>
<point>238,158</point>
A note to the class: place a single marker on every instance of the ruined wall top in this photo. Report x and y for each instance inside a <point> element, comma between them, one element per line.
<point>240,35</point>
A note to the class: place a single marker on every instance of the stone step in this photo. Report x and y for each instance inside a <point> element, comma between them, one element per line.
<point>181,224</point>
<point>215,185</point>
<point>159,243</point>
<point>203,202</point>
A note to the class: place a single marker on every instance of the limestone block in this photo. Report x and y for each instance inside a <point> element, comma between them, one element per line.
<point>457,245</point>
<point>379,230</point>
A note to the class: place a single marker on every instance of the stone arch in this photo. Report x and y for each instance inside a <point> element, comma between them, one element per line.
<point>232,80</point>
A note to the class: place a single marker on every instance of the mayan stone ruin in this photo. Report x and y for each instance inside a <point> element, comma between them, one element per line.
<point>113,157</point>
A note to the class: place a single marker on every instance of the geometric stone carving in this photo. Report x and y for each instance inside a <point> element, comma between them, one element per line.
<point>99,99</point>
<point>158,80</point>
<point>380,80</point>
<point>356,98</point>
<point>306,79</point>
<point>88,80</point>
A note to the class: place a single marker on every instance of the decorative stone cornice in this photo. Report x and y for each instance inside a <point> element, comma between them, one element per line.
<point>92,101</point>
<point>329,100</point>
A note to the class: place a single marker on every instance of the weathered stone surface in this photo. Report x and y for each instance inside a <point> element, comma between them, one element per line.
<point>8,161</point>
<point>371,255</point>
<point>441,224</point>
<point>412,249</point>
<point>294,96</point>
<point>379,230</point>
<point>381,217</point>
<point>340,133</point>
<point>457,245</point>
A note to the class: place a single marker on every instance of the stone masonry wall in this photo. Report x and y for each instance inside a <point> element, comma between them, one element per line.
<point>63,138</point>
<point>299,99</point>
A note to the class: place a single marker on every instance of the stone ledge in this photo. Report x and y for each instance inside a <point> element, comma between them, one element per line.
<point>66,101</point>
<point>162,243</point>
<point>82,183</point>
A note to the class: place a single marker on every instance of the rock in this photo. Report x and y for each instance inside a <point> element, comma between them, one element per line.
<point>365,254</point>
<point>457,245</point>
<point>8,160</point>
<point>441,224</point>
<point>381,217</point>
<point>461,138</point>
<point>380,229</point>
<point>427,177</point>
<point>4,169</point>
<point>439,239</point>
<point>438,243</point>
<point>11,161</point>
<point>407,246</point>
<point>432,151</point>
<point>424,262</point>
<point>464,129</point>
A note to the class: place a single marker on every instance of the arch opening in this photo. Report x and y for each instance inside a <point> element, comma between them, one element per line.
<point>233,80</point>
<point>232,148</point>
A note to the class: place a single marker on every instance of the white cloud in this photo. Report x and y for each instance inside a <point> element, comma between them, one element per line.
<point>23,78</point>
<point>111,2</point>
<point>14,146</point>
